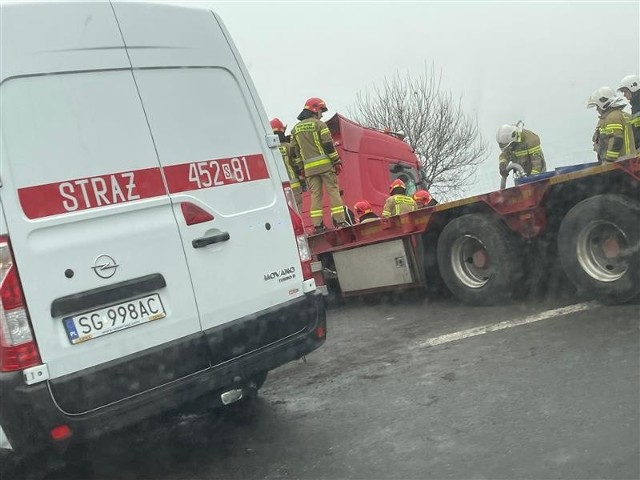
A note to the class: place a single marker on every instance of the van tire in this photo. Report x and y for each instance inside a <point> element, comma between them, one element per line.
<point>251,388</point>
<point>257,381</point>
<point>479,259</point>
<point>609,272</point>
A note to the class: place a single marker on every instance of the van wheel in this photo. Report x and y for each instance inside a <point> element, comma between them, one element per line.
<point>599,247</point>
<point>478,258</point>
<point>258,380</point>
<point>334,296</point>
<point>251,388</point>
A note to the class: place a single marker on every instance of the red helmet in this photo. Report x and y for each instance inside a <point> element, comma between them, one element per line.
<point>277,125</point>
<point>315,105</point>
<point>362,207</point>
<point>397,183</point>
<point>422,196</point>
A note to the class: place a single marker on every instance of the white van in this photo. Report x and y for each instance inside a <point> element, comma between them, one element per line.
<point>149,252</point>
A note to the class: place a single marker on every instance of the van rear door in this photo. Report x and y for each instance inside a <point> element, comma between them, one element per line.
<point>89,217</point>
<point>244,258</point>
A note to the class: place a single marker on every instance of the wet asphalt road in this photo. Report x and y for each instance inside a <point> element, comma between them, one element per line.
<point>558,398</point>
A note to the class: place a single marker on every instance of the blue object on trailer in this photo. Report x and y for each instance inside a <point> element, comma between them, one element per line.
<point>534,178</point>
<point>575,168</point>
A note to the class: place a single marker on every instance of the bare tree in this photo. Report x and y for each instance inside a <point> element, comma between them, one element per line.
<point>446,140</point>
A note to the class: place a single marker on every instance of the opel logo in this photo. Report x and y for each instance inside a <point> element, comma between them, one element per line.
<point>105,266</point>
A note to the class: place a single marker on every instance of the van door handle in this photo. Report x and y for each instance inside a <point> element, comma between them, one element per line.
<point>204,241</point>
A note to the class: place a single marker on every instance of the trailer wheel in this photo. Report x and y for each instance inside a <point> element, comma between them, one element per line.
<point>426,250</point>
<point>478,259</point>
<point>599,247</point>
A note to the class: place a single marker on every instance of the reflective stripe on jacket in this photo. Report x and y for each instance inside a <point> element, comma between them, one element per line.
<point>307,140</point>
<point>285,151</point>
<point>635,127</point>
<point>397,204</point>
<point>526,152</point>
<point>614,137</point>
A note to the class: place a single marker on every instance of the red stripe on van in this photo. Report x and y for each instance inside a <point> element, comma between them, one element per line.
<point>92,192</point>
<point>215,173</point>
<point>114,188</point>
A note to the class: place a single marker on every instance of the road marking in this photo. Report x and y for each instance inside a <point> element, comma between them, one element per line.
<point>495,327</point>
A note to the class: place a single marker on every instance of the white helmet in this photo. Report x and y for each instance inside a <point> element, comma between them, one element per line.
<point>506,135</point>
<point>632,82</point>
<point>618,102</point>
<point>602,98</point>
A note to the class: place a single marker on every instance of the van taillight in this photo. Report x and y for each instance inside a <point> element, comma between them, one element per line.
<point>18,349</point>
<point>193,214</point>
<point>298,230</point>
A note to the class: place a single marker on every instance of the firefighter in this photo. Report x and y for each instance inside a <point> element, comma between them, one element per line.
<point>349,216</point>
<point>398,202</point>
<point>520,146</point>
<point>630,88</point>
<point>423,199</point>
<point>294,171</point>
<point>365,212</point>
<point>312,144</point>
<point>613,137</point>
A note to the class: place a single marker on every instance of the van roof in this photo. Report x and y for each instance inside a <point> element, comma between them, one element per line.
<point>56,37</point>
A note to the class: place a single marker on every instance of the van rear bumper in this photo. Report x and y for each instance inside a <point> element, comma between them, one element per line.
<point>28,413</point>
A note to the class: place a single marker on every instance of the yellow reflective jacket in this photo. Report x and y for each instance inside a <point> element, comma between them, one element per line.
<point>285,151</point>
<point>312,146</point>
<point>526,151</point>
<point>635,127</point>
<point>613,137</point>
<point>397,204</point>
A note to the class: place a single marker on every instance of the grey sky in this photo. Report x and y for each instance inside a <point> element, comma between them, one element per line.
<point>534,61</point>
<point>531,61</point>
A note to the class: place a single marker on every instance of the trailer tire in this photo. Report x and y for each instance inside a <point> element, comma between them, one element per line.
<point>478,259</point>
<point>599,248</point>
<point>426,251</point>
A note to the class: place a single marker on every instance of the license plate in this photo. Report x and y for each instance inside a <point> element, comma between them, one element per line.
<point>104,321</point>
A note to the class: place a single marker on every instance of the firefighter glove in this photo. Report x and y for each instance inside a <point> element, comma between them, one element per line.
<point>338,168</point>
<point>503,170</point>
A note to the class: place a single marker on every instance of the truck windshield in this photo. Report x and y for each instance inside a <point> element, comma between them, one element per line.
<point>408,175</point>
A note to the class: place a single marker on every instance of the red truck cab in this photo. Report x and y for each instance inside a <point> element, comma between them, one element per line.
<point>371,160</point>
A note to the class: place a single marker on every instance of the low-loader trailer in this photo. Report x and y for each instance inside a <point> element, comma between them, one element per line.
<point>583,220</point>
